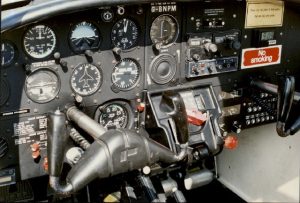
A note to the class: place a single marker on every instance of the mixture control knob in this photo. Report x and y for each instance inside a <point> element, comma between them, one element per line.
<point>231,142</point>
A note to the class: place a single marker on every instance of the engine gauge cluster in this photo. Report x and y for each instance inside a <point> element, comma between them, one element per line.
<point>126,74</point>
<point>86,79</point>
<point>39,41</point>
<point>42,85</point>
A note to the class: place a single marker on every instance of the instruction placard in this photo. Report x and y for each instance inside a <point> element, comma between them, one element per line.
<point>264,14</point>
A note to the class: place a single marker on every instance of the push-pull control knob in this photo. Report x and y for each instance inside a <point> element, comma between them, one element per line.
<point>231,142</point>
<point>35,149</point>
<point>58,60</point>
<point>89,55</point>
<point>117,50</point>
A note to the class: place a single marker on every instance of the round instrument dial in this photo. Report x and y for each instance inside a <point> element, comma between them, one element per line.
<point>39,41</point>
<point>84,36</point>
<point>164,30</point>
<point>42,85</point>
<point>126,74</point>
<point>86,79</point>
<point>125,34</point>
<point>8,53</point>
<point>113,115</point>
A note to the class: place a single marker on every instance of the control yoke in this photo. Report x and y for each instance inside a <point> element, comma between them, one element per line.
<point>286,97</point>
<point>112,152</point>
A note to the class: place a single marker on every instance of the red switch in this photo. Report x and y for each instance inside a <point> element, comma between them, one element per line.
<point>141,107</point>
<point>35,149</point>
<point>45,164</point>
<point>196,117</point>
<point>231,142</point>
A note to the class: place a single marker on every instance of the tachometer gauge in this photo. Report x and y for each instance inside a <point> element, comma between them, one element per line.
<point>39,41</point>
<point>86,79</point>
<point>126,74</point>
<point>113,115</point>
<point>125,34</point>
<point>8,53</point>
<point>164,30</point>
<point>42,85</point>
<point>84,36</point>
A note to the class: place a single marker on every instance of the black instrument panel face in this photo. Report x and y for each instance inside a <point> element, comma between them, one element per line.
<point>107,59</point>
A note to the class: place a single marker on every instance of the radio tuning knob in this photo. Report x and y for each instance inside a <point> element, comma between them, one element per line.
<point>211,47</point>
<point>196,57</point>
<point>235,45</point>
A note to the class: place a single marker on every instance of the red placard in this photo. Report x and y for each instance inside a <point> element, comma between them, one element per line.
<point>264,56</point>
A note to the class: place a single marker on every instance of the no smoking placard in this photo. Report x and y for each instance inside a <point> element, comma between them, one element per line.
<point>265,56</point>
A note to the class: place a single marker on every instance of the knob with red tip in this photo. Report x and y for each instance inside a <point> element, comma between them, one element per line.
<point>141,107</point>
<point>196,117</point>
<point>35,149</point>
<point>231,142</point>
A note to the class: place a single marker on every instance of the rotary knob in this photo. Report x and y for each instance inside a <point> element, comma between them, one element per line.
<point>211,47</point>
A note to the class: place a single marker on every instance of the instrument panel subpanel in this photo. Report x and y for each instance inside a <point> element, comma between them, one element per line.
<point>107,58</point>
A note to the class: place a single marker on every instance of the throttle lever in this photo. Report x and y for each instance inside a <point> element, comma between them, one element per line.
<point>173,104</point>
